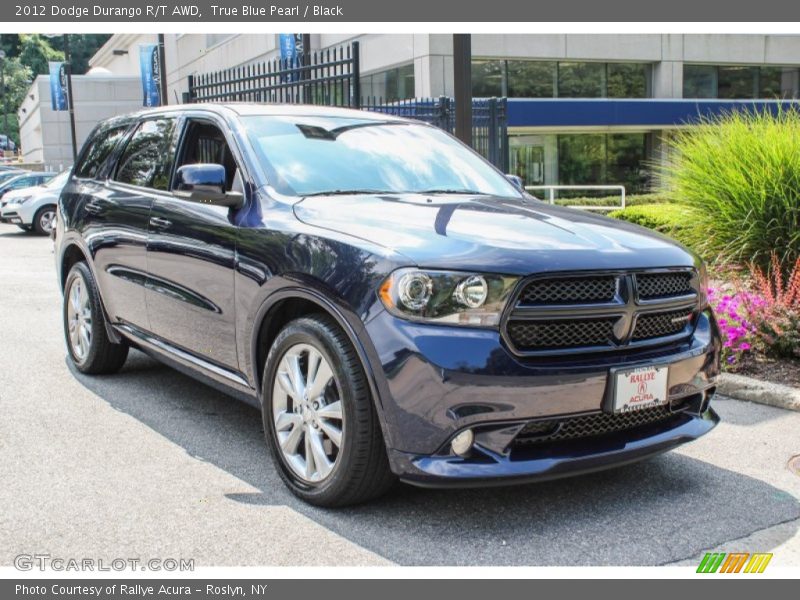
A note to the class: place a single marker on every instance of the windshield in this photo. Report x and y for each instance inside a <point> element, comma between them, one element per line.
<point>328,155</point>
<point>58,181</point>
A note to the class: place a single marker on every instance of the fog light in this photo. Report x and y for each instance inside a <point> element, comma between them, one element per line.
<point>462,443</point>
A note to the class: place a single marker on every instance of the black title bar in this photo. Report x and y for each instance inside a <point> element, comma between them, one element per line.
<point>472,11</point>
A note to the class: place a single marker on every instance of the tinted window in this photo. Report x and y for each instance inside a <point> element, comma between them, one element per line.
<point>98,150</point>
<point>147,158</point>
<point>205,143</point>
<point>314,155</point>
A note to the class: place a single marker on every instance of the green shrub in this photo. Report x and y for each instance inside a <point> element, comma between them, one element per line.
<point>669,219</point>
<point>739,176</point>
<point>632,200</point>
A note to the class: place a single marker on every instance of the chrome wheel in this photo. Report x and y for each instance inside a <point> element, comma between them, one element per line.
<point>47,220</point>
<point>307,413</point>
<point>79,318</point>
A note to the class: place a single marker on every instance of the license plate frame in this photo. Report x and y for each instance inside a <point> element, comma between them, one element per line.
<point>637,388</point>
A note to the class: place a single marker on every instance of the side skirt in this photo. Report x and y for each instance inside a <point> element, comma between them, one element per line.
<point>229,382</point>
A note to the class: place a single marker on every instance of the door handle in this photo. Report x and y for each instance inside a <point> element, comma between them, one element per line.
<point>93,207</point>
<point>160,223</point>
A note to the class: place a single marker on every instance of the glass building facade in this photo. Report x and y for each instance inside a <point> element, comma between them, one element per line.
<point>559,79</point>
<point>389,85</point>
<point>740,82</point>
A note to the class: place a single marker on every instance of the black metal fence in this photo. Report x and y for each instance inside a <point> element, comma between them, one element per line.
<point>327,77</point>
<point>330,77</point>
<point>489,121</point>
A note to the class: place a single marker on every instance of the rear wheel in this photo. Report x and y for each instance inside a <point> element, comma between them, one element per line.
<point>44,219</point>
<point>88,344</point>
<point>319,418</point>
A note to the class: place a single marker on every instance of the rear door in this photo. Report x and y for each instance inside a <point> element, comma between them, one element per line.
<point>117,216</point>
<point>191,251</point>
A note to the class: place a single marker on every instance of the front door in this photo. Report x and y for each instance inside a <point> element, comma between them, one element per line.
<point>191,251</point>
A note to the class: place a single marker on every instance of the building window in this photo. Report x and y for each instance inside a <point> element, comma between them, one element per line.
<point>606,159</point>
<point>390,85</point>
<point>740,82</point>
<point>581,159</point>
<point>566,79</point>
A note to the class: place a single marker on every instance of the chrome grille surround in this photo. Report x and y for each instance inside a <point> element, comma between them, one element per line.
<point>568,313</point>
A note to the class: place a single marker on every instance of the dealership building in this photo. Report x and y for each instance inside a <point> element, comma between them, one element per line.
<point>583,108</point>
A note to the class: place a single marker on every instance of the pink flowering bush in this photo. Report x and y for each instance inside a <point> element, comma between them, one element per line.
<point>732,309</point>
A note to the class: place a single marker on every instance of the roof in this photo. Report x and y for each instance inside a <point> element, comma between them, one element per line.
<point>255,109</point>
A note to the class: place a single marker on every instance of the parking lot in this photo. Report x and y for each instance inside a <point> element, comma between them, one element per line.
<point>149,463</point>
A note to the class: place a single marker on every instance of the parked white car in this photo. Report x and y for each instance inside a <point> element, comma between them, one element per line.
<point>34,208</point>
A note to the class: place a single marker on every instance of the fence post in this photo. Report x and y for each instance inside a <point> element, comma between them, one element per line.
<point>504,149</point>
<point>444,114</point>
<point>188,98</point>
<point>492,132</point>
<point>355,76</point>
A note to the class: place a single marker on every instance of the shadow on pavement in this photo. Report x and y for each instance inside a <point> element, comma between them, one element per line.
<point>659,511</point>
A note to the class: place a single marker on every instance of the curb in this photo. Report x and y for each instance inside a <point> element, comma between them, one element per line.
<point>741,387</point>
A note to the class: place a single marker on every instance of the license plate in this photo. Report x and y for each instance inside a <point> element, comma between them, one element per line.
<point>641,388</point>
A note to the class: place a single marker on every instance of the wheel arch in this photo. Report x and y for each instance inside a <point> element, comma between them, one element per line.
<point>288,304</point>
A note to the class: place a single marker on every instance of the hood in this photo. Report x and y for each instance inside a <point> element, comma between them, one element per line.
<point>499,235</point>
<point>23,192</point>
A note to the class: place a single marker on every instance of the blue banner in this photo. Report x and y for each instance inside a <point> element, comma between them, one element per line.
<point>58,86</point>
<point>150,68</point>
<point>291,50</point>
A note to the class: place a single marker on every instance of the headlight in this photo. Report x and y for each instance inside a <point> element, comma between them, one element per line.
<point>21,200</point>
<point>448,297</point>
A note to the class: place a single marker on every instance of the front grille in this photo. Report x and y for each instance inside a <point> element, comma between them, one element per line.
<point>649,326</point>
<point>653,286</point>
<point>569,290</point>
<point>541,335</point>
<point>541,432</point>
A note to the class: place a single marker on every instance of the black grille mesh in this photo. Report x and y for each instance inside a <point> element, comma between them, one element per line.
<point>569,290</point>
<point>664,285</point>
<point>539,432</point>
<point>661,324</point>
<point>538,335</point>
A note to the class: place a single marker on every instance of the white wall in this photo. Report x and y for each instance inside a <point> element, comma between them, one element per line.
<point>432,54</point>
<point>45,134</point>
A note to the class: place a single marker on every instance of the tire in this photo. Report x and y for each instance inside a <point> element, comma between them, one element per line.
<point>43,219</point>
<point>360,468</point>
<point>90,349</point>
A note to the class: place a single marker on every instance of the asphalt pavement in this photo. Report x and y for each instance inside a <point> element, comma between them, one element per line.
<point>149,463</point>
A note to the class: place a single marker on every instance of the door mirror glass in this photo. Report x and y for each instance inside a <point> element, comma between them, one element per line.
<point>205,183</point>
<point>517,181</point>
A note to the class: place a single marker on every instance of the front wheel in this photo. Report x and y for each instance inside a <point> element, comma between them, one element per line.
<point>89,346</point>
<point>319,418</point>
<point>44,220</point>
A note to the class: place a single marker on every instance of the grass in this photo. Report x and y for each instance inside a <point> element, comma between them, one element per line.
<point>739,177</point>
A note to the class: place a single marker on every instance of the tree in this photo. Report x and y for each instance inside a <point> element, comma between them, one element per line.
<point>35,52</point>
<point>82,47</point>
<point>17,79</point>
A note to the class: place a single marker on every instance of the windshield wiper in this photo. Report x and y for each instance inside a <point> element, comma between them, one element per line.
<point>347,192</point>
<point>450,191</point>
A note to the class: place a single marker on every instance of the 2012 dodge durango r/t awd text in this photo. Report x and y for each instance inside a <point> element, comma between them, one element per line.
<point>396,306</point>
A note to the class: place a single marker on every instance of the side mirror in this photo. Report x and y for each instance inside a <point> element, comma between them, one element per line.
<point>205,183</point>
<point>516,181</point>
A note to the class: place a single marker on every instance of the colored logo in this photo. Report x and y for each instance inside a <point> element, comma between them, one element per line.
<point>734,562</point>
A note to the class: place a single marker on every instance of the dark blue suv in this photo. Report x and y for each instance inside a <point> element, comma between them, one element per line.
<point>396,306</point>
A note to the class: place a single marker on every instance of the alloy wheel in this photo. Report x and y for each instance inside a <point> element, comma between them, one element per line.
<point>47,220</point>
<point>307,413</point>
<point>79,318</point>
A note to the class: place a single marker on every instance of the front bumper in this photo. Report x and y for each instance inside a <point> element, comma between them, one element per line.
<point>437,381</point>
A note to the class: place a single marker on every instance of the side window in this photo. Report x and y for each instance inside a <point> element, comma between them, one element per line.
<point>147,159</point>
<point>98,150</point>
<point>205,143</point>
